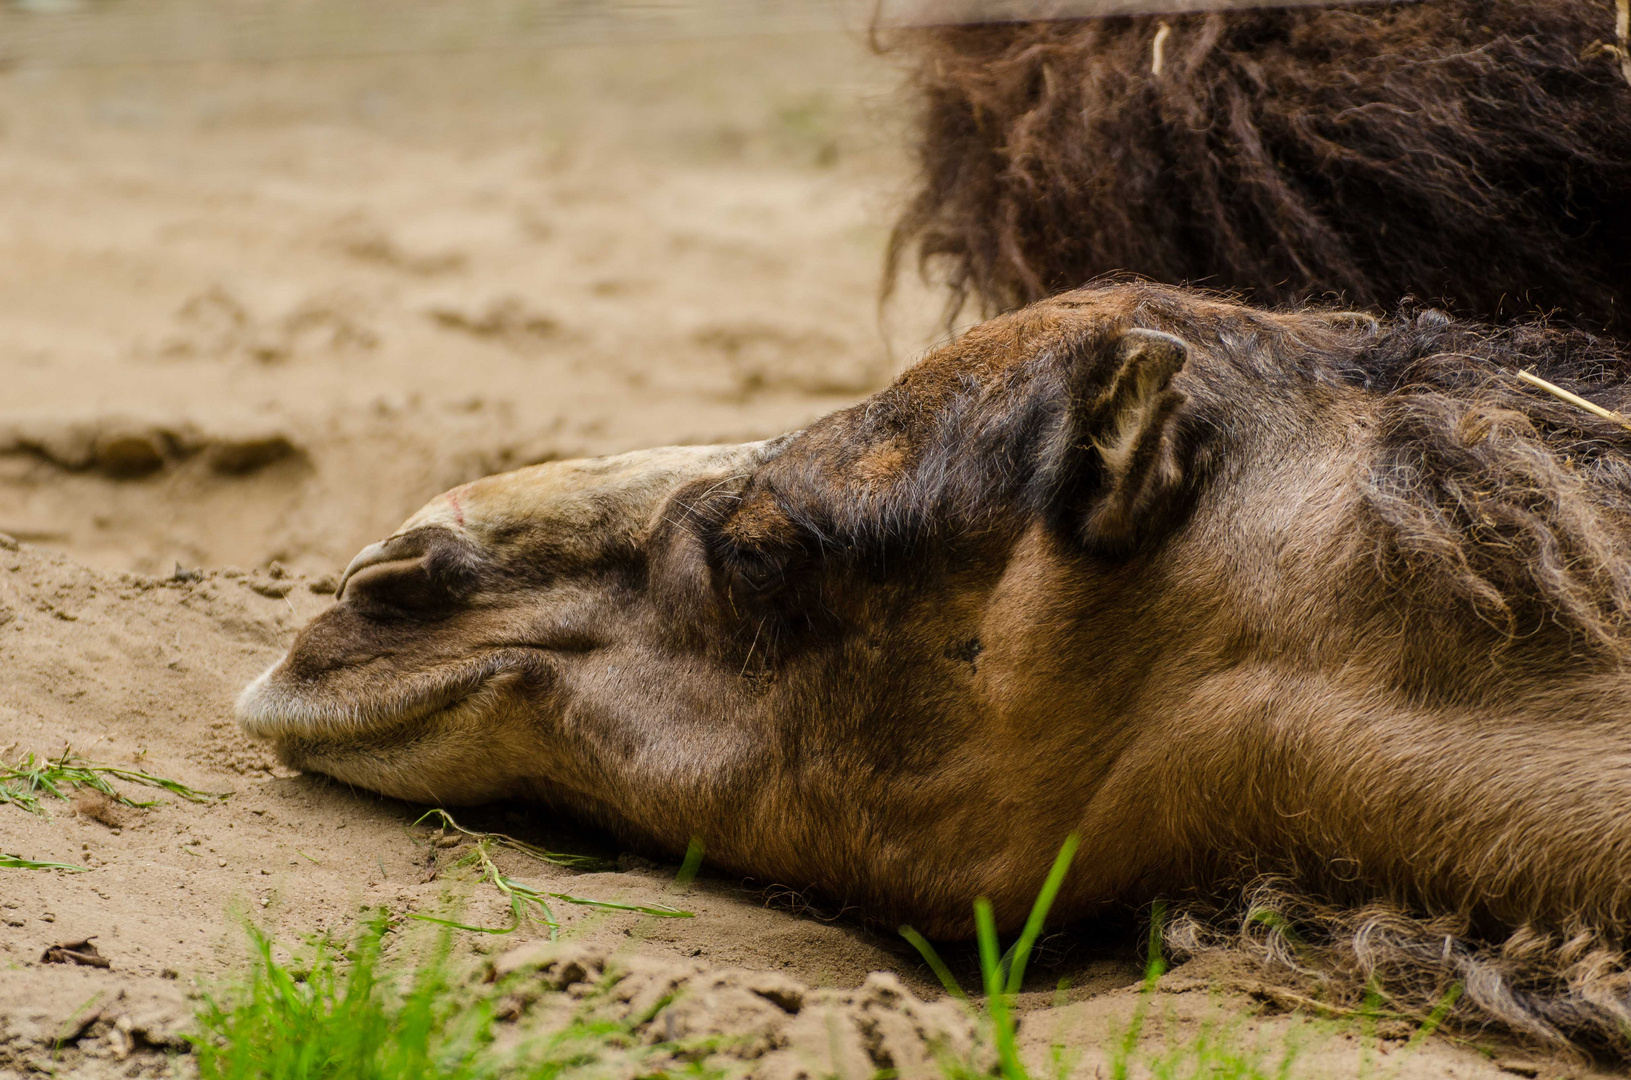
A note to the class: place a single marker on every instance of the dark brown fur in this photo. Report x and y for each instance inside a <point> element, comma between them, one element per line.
<point>1477,151</point>
<point>1228,592</point>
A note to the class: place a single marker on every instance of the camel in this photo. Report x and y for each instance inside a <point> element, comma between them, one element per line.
<point>1225,591</point>
<point>1469,153</point>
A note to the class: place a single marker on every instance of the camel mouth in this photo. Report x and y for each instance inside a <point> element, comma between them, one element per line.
<point>276,708</point>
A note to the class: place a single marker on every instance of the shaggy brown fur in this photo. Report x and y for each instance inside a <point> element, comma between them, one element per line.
<point>1472,150</point>
<point>1567,988</point>
<point>1226,592</point>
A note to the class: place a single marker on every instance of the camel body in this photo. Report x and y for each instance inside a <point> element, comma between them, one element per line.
<point>1225,592</point>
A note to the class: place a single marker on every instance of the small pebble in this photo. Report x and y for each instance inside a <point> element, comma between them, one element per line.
<point>220,862</point>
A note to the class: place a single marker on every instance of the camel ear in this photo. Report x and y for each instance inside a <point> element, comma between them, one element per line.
<point>1124,463</point>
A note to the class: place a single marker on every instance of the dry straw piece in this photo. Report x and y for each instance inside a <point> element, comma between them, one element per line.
<point>1575,399</point>
<point>1622,33</point>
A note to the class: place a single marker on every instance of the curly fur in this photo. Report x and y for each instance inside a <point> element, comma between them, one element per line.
<point>1473,152</point>
<point>1481,489</point>
<point>1520,502</point>
<point>1567,989</point>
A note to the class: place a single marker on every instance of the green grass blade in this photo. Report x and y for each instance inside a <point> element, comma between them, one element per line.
<point>985,934</point>
<point>996,998</point>
<point>1155,964</point>
<point>17,862</point>
<point>936,965</point>
<point>174,787</point>
<point>466,926</point>
<point>24,781</point>
<point>662,911</point>
<point>1039,912</point>
<point>692,863</point>
<point>1436,1018</point>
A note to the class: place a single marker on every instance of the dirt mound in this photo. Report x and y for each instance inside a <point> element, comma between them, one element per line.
<point>92,1022</point>
<point>123,448</point>
<point>787,1030</point>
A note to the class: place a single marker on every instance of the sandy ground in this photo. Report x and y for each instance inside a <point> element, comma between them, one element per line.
<point>253,314</point>
<point>261,312</point>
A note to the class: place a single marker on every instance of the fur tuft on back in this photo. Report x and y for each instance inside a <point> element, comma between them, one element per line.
<point>1494,493</point>
<point>1473,152</point>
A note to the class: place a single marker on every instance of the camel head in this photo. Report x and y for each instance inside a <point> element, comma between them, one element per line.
<point>485,611</point>
<point>1200,583</point>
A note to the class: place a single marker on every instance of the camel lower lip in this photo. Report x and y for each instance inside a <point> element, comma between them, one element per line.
<point>270,709</point>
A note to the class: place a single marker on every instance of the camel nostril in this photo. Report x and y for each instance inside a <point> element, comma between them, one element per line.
<point>372,555</point>
<point>418,571</point>
<point>399,583</point>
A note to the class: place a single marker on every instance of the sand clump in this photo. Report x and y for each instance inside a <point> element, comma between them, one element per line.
<point>765,1022</point>
<point>102,808</point>
<point>126,448</point>
<point>91,1023</point>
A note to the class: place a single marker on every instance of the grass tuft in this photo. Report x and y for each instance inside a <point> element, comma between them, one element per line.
<point>28,780</point>
<point>532,851</point>
<point>1222,1049</point>
<point>348,1012</point>
<point>338,1015</point>
<point>527,904</point>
